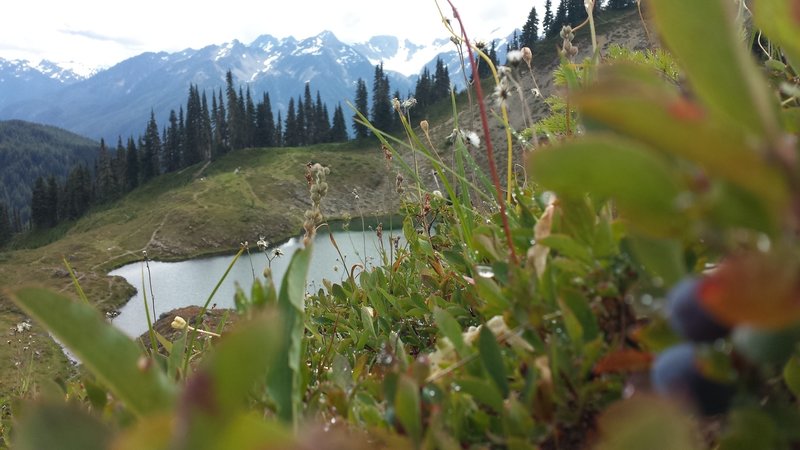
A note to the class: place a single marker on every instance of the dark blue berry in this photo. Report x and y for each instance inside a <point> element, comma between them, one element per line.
<point>688,317</point>
<point>675,374</point>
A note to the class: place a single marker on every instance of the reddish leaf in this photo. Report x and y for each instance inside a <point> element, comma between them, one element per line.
<point>625,360</point>
<point>758,289</point>
<point>683,109</point>
<point>796,10</point>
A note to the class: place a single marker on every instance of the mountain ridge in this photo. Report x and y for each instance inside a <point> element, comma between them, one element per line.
<point>116,102</point>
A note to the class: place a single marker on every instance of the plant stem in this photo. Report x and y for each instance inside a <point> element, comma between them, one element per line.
<point>487,138</point>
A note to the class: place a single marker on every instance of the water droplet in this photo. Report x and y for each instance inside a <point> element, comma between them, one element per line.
<point>484,271</point>
<point>628,391</point>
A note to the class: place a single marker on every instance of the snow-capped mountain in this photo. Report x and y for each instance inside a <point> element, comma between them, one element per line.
<point>20,79</point>
<point>116,102</point>
<point>409,58</point>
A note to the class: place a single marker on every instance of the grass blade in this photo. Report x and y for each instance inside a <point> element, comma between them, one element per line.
<point>111,355</point>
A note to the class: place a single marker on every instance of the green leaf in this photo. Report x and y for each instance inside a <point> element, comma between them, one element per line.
<point>59,425</point>
<point>482,392</point>
<point>176,355</point>
<point>655,114</point>
<point>750,428</point>
<point>366,321</point>
<point>791,375</point>
<point>451,329</point>
<point>566,246</point>
<point>407,407</point>
<point>283,381</point>
<point>660,257</point>
<point>790,118</point>
<point>105,350</point>
<point>780,20</point>
<point>647,422</point>
<point>575,306</point>
<point>643,185</point>
<point>492,359</point>
<point>241,358</point>
<point>706,41</point>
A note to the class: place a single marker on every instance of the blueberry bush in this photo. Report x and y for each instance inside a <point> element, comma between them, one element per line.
<point>636,286</point>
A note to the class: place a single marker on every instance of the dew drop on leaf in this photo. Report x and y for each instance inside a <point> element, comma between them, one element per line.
<point>484,271</point>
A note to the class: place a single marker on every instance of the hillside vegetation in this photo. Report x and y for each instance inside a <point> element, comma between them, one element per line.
<point>28,151</point>
<point>201,210</point>
<point>623,273</point>
<point>211,209</point>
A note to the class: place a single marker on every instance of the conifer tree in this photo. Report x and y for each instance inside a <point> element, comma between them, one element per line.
<point>265,123</point>
<point>192,137</point>
<point>104,175</point>
<point>241,122</point>
<point>16,221</point>
<point>382,116</point>
<point>290,137</point>
<point>119,164</point>
<point>250,119</point>
<point>39,204</point>
<point>560,19</point>
<point>220,124</point>
<point>322,123</point>
<point>530,31</point>
<point>172,144</point>
<point>52,201</point>
<point>235,115</point>
<point>547,20</point>
<point>132,166</point>
<point>5,225</point>
<point>300,124</point>
<point>77,193</point>
<point>423,91</point>
<point>205,129</point>
<point>361,104</point>
<point>441,81</point>
<point>576,11</point>
<point>151,149</point>
<point>619,4</point>
<point>339,128</point>
<point>309,117</point>
<point>279,131</point>
<point>514,43</point>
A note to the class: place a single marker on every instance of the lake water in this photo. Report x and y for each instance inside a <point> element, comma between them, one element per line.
<point>178,284</point>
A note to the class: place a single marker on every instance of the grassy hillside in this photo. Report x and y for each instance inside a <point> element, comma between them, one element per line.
<point>201,210</point>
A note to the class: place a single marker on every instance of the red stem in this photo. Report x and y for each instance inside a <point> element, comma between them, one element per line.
<point>486,135</point>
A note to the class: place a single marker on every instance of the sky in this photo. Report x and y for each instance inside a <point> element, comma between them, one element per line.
<point>101,33</point>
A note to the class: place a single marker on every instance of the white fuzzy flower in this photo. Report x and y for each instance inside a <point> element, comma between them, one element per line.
<point>473,139</point>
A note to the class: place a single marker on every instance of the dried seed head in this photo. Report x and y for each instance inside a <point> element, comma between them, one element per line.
<point>398,183</point>
<point>527,55</point>
<point>424,126</point>
<point>514,57</point>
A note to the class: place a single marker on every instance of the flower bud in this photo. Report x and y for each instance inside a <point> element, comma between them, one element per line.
<point>178,323</point>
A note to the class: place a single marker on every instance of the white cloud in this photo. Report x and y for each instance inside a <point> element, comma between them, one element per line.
<point>105,32</point>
